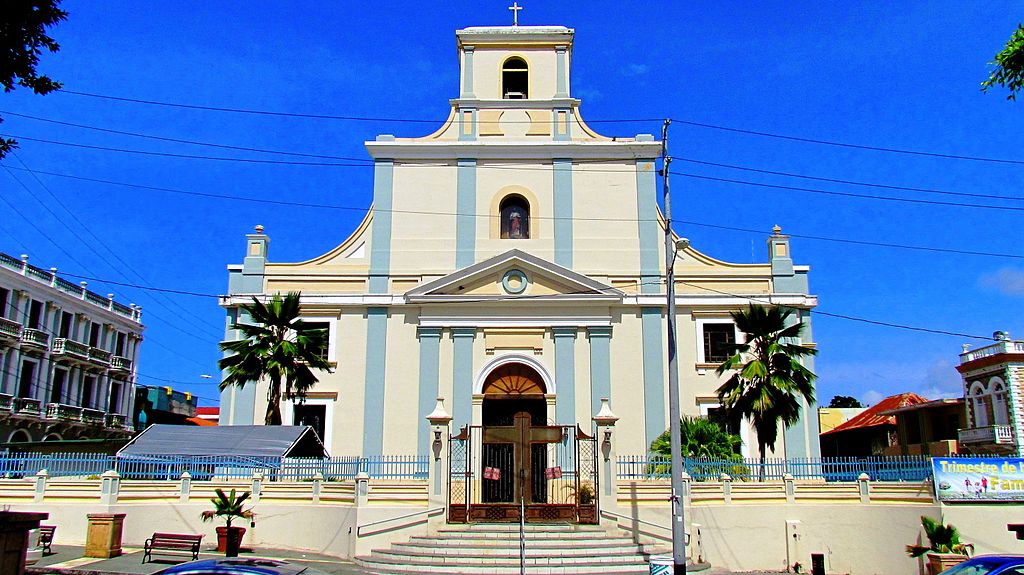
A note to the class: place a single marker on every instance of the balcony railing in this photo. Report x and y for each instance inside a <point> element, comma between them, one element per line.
<point>116,420</point>
<point>997,434</point>
<point>27,406</point>
<point>62,412</point>
<point>9,328</point>
<point>6,402</point>
<point>92,416</point>
<point>99,355</point>
<point>120,363</point>
<point>34,337</point>
<point>70,347</point>
<point>1005,346</point>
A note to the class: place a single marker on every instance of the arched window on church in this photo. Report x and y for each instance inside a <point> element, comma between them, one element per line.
<point>515,79</point>
<point>515,218</point>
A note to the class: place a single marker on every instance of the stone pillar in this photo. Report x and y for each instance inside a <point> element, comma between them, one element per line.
<point>864,487</point>
<point>41,476</point>
<point>790,486</point>
<point>103,538</point>
<point>14,528</point>
<point>727,487</point>
<point>110,485</point>
<point>257,486</point>
<point>318,480</point>
<point>186,487</point>
<point>362,489</point>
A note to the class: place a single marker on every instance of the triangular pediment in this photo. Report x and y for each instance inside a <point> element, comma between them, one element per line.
<point>512,275</point>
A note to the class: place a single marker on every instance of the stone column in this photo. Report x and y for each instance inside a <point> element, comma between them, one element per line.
<point>103,538</point>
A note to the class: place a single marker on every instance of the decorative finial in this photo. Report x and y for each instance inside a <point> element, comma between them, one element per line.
<point>966,347</point>
<point>777,229</point>
<point>515,8</point>
<point>259,228</point>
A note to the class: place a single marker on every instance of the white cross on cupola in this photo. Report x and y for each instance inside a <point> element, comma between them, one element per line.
<point>515,8</point>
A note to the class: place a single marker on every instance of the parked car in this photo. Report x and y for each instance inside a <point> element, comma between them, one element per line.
<point>989,565</point>
<point>240,566</point>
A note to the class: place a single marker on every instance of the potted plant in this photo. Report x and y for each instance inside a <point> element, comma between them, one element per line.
<point>229,538</point>
<point>586,502</point>
<point>944,546</point>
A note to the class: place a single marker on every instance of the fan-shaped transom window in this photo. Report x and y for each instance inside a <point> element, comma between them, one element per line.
<point>515,79</point>
<point>514,379</point>
<point>515,218</point>
<point>989,403</point>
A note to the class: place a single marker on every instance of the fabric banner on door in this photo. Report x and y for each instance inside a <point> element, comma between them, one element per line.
<point>978,478</point>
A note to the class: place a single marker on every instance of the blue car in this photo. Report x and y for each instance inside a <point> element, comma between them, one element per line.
<point>989,565</point>
<point>240,566</point>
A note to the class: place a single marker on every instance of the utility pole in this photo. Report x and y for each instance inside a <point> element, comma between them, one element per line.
<point>675,433</point>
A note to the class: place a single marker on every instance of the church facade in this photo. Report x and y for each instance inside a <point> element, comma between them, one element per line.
<point>512,261</point>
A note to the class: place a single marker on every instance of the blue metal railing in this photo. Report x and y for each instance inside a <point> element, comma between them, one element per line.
<point>170,467</point>
<point>900,468</point>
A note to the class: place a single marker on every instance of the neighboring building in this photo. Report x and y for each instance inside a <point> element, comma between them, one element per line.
<point>162,405</point>
<point>67,357</point>
<point>513,261</point>
<point>929,428</point>
<point>830,418</point>
<point>206,415</point>
<point>870,433</point>
<point>993,376</point>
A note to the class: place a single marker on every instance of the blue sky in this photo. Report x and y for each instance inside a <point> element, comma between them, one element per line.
<point>894,75</point>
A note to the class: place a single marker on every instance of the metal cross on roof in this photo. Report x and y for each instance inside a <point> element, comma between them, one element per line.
<point>515,8</point>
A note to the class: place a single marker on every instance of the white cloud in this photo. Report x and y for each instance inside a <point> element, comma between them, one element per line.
<point>1008,281</point>
<point>636,69</point>
<point>871,397</point>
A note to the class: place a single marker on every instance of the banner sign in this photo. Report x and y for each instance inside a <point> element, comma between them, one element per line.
<point>978,478</point>
<point>492,473</point>
<point>553,473</point>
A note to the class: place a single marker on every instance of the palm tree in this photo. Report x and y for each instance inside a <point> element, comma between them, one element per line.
<point>278,346</point>
<point>701,437</point>
<point>767,378</point>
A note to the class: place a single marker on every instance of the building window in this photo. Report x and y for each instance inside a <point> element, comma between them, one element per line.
<point>60,378</point>
<point>35,312</point>
<point>119,347</point>
<point>66,320</point>
<point>515,79</point>
<point>717,339</point>
<point>325,336</point>
<point>88,383</point>
<point>94,334</point>
<point>1000,406</point>
<point>115,396</point>
<point>314,416</point>
<point>5,296</point>
<point>28,378</point>
<point>981,405</point>
<point>514,212</point>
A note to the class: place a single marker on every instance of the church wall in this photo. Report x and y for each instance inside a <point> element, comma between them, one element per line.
<point>401,391</point>
<point>533,182</point>
<point>627,368</point>
<point>607,247</point>
<point>422,240</point>
<point>487,71</point>
<point>347,380</point>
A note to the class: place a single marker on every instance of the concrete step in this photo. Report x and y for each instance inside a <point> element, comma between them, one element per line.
<point>457,548</point>
<point>490,539</point>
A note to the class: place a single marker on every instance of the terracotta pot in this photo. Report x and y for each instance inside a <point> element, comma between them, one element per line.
<point>229,541</point>
<point>588,514</point>
<point>939,562</point>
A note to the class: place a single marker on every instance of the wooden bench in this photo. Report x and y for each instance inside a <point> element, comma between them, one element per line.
<point>172,543</point>
<point>46,537</point>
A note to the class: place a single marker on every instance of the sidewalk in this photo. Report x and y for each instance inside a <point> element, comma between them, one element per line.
<point>68,560</point>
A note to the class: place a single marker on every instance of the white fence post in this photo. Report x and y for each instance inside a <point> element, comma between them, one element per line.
<point>185,491</point>
<point>864,487</point>
<point>790,485</point>
<point>110,484</point>
<point>41,478</point>
<point>727,487</point>
<point>318,479</point>
<point>362,488</point>
<point>257,486</point>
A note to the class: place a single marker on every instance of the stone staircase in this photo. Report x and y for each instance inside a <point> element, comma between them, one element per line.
<point>493,548</point>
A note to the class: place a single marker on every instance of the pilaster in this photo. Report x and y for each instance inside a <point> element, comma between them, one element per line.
<point>462,375</point>
<point>430,351</point>
<point>565,374</point>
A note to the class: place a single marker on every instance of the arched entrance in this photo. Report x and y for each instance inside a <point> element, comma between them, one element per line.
<point>514,463</point>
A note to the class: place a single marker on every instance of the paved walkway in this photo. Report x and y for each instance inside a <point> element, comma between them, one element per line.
<point>68,560</point>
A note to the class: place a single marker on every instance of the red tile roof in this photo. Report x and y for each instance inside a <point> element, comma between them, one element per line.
<point>872,416</point>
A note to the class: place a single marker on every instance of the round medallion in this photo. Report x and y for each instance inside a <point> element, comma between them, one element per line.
<point>514,281</point>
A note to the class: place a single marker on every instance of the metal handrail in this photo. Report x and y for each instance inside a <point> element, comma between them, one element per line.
<point>406,516</point>
<point>522,535</point>
<point>628,518</point>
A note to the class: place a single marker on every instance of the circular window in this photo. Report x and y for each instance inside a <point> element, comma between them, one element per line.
<point>514,281</point>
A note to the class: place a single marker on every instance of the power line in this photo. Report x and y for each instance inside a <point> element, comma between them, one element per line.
<point>850,194</point>
<point>850,182</point>
<point>88,230</point>
<point>300,115</point>
<point>438,213</point>
<point>142,287</point>
<point>848,145</point>
<point>180,141</point>
<point>630,120</point>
